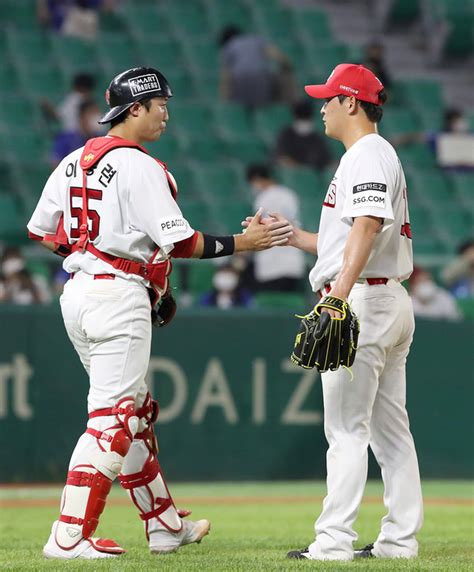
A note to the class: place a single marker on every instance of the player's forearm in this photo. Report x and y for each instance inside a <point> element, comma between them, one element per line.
<point>356,254</point>
<point>304,240</point>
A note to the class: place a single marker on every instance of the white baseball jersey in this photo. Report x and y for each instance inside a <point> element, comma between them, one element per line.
<point>284,261</point>
<point>130,207</point>
<point>368,182</point>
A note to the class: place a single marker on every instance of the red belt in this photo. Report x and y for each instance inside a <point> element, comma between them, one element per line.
<point>370,281</point>
<point>99,276</point>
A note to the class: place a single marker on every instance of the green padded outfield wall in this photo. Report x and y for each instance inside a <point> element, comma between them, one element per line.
<point>232,405</point>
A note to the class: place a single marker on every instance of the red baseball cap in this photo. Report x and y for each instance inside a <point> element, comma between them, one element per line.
<point>349,79</point>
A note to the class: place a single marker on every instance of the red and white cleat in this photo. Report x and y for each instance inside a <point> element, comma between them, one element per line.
<point>87,548</point>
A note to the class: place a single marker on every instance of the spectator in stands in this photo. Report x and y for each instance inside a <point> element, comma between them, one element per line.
<point>276,269</point>
<point>453,145</point>
<point>226,290</point>
<point>82,89</point>
<point>248,64</point>
<point>429,300</point>
<point>67,141</point>
<point>17,284</point>
<point>458,275</point>
<point>77,18</point>
<point>374,60</point>
<point>300,144</point>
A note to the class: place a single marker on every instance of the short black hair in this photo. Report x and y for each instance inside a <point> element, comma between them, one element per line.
<point>123,116</point>
<point>83,81</point>
<point>259,170</point>
<point>374,112</point>
<point>465,246</point>
<point>227,34</point>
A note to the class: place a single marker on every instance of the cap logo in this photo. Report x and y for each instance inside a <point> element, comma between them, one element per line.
<point>89,157</point>
<point>347,88</point>
<point>144,84</point>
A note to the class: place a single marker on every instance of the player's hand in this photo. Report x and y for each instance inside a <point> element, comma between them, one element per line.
<point>264,232</point>
<point>273,218</point>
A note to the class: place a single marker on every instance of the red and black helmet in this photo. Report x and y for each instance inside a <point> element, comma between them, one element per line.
<point>131,86</point>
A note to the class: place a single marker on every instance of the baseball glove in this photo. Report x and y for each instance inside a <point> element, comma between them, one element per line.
<point>327,342</point>
<point>164,312</point>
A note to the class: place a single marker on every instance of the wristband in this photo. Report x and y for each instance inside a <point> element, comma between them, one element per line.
<point>217,246</point>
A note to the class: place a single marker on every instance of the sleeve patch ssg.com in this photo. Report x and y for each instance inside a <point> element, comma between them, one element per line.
<point>369,194</point>
<point>173,225</point>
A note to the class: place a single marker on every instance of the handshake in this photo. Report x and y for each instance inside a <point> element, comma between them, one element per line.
<point>261,233</point>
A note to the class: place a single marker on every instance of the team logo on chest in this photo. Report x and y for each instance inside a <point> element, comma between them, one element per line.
<point>330,199</point>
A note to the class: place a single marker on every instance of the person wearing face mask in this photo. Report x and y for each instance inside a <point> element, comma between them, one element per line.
<point>281,269</point>
<point>226,292</point>
<point>17,284</point>
<point>67,141</point>
<point>429,300</point>
<point>299,144</point>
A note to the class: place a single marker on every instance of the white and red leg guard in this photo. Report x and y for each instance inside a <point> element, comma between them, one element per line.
<point>95,463</point>
<point>143,478</point>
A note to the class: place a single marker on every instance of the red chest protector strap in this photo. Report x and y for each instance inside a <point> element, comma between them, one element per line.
<point>94,150</point>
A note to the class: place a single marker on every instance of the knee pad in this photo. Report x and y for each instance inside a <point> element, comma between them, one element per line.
<point>143,477</point>
<point>90,480</point>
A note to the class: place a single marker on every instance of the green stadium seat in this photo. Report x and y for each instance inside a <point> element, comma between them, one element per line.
<point>145,19</point>
<point>431,188</point>
<point>275,23</point>
<point>466,305</point>
<point>200,276</point>
<point>8,78</point>
<point>232,121</point>
<point>30,179</point>
<point>311,23</point>
<point>421,222</point>
<point>310,210</point>
<point>17,114</point>
<point>247,151</point>
<point>463,184</point>
<point>43,81</point>
<point>206,87</point>
<point>398,120</point>
<point>324,57</point>
<point>113,22</point>
<point>423,93</point>
<point>196,213</point>
<point>415,156</point>
<point>191,119</point>
<point>404,11</point>
<point>75,56</point>
<point>162,54</point>
<point>7,184</point>
<point>29,48</point>
<point>20,15</point>
<point>185,179</point>
<point>116,53</point>
<point>456,224</point>
<point>188,19</point>
<point>303,180</point>
<point>229,213</point>
<point>283,300</point>
<point>459,15</point>
<point>12,224</point>
<point>271,120</point>
<point>201,57</point>
<point>208,149</point>
<point>24,146</point>
<point>168,148</point>
<point>222,14</point>
<point>219,182</point>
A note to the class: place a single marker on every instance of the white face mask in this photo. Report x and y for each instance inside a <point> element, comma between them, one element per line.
<point>12,266</point>
<point>225,281</point>
<point>426,290</point>
<point>460,125</point>
<point>303,126</point>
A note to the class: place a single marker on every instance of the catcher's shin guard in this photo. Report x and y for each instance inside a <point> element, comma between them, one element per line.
<point>96,462</point>
<point>142,477</point>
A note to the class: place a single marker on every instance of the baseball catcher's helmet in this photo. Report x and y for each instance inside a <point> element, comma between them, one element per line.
<point>131,86</point>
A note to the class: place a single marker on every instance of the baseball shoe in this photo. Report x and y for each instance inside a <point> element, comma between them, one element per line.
<point>302,554</point>
<point>365,552</point>
<point>165,542</point>
<point>86,549</point>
